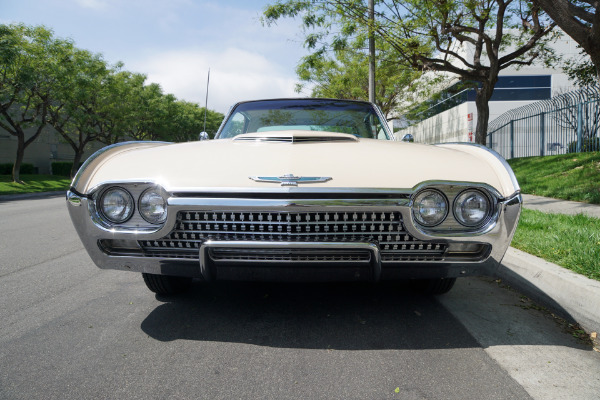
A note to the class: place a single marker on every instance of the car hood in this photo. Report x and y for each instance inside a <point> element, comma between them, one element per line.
<point>350,162</point>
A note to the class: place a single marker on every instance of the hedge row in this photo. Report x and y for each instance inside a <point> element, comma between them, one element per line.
<point>62,168</point>
<point>59,168</point>
<point>26,169</point>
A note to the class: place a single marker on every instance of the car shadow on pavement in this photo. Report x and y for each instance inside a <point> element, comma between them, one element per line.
<point>311,316</point>
<point>320,316</point>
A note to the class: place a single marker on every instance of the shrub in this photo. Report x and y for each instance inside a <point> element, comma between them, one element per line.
<point>26,169</point>
<point>62,168</point>
<point>588,144</point>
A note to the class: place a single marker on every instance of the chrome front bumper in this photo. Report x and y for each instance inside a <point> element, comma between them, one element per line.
<point>497,235</point>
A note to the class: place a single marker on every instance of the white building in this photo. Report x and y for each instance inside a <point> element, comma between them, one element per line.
<point>453,119</point>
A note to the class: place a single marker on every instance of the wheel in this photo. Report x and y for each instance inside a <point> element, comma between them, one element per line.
<point>437,286</point>
<point>165,284</point>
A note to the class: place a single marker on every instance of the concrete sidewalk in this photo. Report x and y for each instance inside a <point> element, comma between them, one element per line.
<point>555,206</point>
<point>570,295</point>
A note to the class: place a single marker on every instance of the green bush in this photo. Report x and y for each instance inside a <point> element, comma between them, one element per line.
<point>588,144</point>
<point>62,168</point>
<point>26,169</point>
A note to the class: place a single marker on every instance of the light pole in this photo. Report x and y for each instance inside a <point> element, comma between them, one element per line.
<point>371,52</point>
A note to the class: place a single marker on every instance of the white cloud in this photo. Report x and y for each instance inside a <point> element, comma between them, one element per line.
<point>93,4</point>
<point>235,75</point>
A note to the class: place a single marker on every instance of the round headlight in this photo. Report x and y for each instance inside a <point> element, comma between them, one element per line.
<point>430,207</point>
<point>116,205</point>
<point>153,206</point>
<point>471,208</point>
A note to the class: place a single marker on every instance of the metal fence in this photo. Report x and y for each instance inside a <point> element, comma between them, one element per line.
<point>567,123</point>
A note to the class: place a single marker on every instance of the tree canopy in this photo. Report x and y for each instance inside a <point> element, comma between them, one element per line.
<point>470,39</point>
<point>580,19</point>
<point>31,62</point>
<point>344,74</point>
<point>49,82</point>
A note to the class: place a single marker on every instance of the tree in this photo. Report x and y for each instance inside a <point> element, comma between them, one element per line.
<point>581,70</point>
<point>580,19</point>
<point>118,105</point>
<point>31,62</point>
<point>76,110</point>
<point>471,39</point>
<point>345,75</point>
<point>188,122</point>
<point>132,110</point>
<point>47,81</point>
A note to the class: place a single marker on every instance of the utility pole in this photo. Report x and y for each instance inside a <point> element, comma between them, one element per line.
<point>206,102</point>
<point>371,51</point>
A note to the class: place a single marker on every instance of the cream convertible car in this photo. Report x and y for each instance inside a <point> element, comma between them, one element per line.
<point>296,189</point>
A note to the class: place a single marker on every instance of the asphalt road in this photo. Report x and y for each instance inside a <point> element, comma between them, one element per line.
<point>69,330</point>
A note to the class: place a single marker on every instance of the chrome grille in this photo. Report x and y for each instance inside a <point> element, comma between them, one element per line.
<point>382,227</point>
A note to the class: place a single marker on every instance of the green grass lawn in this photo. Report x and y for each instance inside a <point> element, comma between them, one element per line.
<point>572,241</point>
<point>34,184</point>
<point>569,176</point>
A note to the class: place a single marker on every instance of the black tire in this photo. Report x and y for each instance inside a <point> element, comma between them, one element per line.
<point>167,285</point>
<point>437,286</point>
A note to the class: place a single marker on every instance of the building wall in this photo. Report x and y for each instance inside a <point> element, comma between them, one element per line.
<point>45,150</point>
<point>449,126</point>
<point>456,123</point>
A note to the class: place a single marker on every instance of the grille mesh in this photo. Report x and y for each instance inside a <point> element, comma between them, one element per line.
<point>382,227</point>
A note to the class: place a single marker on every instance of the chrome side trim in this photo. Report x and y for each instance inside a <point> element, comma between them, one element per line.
<point>290,189</point>
<point>229,203</point>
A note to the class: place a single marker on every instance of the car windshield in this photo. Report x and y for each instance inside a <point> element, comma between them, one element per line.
<point>356,118</point>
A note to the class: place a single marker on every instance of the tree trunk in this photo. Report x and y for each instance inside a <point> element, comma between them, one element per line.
<point>19,158</point>
<point>596,61</point>
<point>76,161</point>
<point>482,98</point>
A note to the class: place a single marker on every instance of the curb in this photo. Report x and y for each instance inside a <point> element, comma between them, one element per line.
<point>27,196</point>
<point>548,205</point>
<point>570,295</point>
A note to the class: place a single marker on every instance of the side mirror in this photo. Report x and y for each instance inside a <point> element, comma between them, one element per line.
<point>408,138</point>
<point>203,136</point>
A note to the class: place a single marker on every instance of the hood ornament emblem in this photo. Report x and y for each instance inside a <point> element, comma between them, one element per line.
<point>290,179</point>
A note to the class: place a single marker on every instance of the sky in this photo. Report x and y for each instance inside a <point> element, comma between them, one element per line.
<point>175,42</point>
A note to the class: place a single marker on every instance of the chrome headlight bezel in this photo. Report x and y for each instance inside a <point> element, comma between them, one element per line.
<point>417,214</point>
<point>157,193</point>
<point>129,208</point>
<point>459,201</point>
